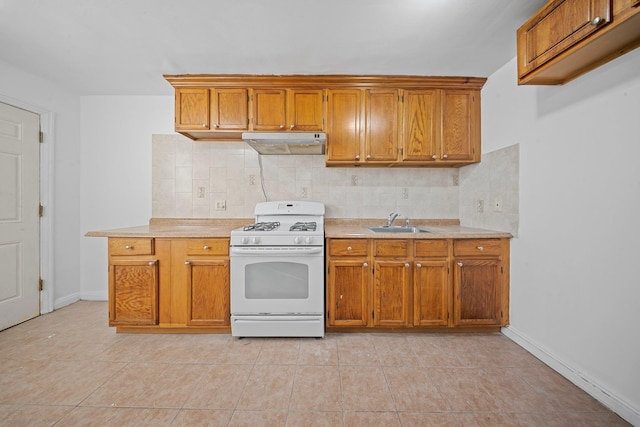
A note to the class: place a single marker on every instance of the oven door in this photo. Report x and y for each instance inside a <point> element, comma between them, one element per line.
<point>277,280</point>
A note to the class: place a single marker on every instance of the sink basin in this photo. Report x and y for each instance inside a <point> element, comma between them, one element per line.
<point>392,229</point>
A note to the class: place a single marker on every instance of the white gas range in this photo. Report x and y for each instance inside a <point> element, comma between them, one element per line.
<point>277,272</point>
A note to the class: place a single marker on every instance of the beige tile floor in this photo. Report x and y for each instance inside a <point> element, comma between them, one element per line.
<point>68,368</point>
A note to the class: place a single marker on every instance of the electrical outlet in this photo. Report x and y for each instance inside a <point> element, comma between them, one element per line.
<point>303,193</point>
<point>252,180</point>
<point>405,193</point>
<point>354,180</point>
<point>455,180</point>
<point>221,205</point>
<point>200,192</point>
<point>497,205</point>
<point>480,206</point>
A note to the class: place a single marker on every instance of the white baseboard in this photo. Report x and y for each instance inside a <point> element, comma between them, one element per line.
<point>65,301</point>
<point>95,296</point>
<point>588,385</point>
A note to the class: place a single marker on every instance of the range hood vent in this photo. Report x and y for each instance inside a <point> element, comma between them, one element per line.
<point>286,142</point>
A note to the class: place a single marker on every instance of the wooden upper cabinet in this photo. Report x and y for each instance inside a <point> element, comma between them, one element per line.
<point>344,110</point>
<point>567,38</point>
<point>381,125</point>
<point>419,125</point>
<point>460,125</point>
<point>192,109</point>
<point>269,109</point>
<point>229,109</point>
<point>305,110</point>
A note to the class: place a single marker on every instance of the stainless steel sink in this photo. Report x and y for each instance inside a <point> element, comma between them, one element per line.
<point>394,229</point>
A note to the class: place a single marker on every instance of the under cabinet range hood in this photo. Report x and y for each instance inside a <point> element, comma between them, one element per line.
<point>286,142</point>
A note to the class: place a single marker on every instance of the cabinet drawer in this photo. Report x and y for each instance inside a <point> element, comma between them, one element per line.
<point>208,247</point>
<point>431,248</point>
<point>391,248</point>
<point>474,247</point>
<point>130,246</point>
<point>348,247</point>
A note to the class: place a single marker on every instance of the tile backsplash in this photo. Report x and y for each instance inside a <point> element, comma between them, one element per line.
<point>191,178</point>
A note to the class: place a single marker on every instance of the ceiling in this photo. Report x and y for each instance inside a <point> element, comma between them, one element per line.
<point>123,47</point>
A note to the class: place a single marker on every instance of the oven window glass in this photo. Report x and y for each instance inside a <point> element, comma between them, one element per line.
<point>277,280</point>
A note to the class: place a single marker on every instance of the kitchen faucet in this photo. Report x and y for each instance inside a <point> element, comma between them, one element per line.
<point>392,217</point>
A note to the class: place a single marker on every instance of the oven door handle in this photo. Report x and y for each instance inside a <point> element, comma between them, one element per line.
<point>303,250</point>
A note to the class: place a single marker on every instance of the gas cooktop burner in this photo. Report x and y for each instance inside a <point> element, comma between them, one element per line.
<point>262,226</point>
<point>303,226</point>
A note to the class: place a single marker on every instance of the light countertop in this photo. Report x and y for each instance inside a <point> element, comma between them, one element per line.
<point>334,228</point>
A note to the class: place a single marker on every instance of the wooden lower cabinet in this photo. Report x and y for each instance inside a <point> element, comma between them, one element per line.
<point>421,283</point>
<point>171,285</point>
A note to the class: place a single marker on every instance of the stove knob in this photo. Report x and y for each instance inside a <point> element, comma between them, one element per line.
<point>297,240</point>
<point>255,240</point>
<point>244,240</point>
<point>308,240</point>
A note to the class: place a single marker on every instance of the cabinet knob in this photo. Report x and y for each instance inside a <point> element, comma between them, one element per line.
<point>349,248</point>
<point>434,157</point>
<point>292,126</point>
<point>204,125</point>
<point>357,156</point>
<point>406,264</point>
<point>597,21</point>
<point>205,247</point>
<point>366,264</point>
<point>445,156</point>
<point>481,248</point>
<point>419,265</point>
<point>187,263</point>
<point>152,262</point>
<point>128,247</point>
<point>216,126</point>
<point>368,156</point>
<point>459,264</point>
<point>281,126</point>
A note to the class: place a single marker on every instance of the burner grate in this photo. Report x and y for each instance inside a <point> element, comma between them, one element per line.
<point>262,226</point>
<point>303,226</point>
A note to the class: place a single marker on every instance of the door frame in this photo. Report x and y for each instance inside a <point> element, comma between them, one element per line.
<point>47,127</point>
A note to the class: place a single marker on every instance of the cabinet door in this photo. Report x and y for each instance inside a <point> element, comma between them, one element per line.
<point>192,109</point>
<point>381,125</point>
<point>476,292</point>
<point>229,109</point>
<point>343,125</point>
<point>348,292</point>
<point>305,112</point>
<point>559,25</point>
<point>391,293</point>
<point>419,121</point>
<point>460,134</point>
<point>208,293</point>
<point>133,292</point>
<point>430,292</point>
<point>269,106</point>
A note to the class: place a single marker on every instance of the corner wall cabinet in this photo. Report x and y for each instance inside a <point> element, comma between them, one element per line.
<point>160,284</point>
<point>567,38</point>
<point>417,284</point>
<point>369,120</point>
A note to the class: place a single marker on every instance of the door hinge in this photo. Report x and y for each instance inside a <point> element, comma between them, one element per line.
<point>41,136</point>
<point>40,284</point>
<point>40,210</point>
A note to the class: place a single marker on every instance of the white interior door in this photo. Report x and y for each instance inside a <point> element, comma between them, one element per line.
<point>19,215</point>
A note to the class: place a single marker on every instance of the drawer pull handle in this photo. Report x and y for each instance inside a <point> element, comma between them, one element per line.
<point>187,263</point>
<point>349,248</point>
<point>152,262</point>
<point>459,264</point>
<point>407,265</point>
<point>205,247</point>
<point>481,248</point>
<point>127,247</point>
<point>597,20</point>
<point>357,156</point>
<point>365,264</point>
<point>419,265</point>
<point>204,125</point>
<point>446,156</point>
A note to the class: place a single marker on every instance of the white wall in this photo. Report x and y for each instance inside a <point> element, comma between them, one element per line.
<point>31,92</point>
<point>575,289</point>
<point>116,173</point>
